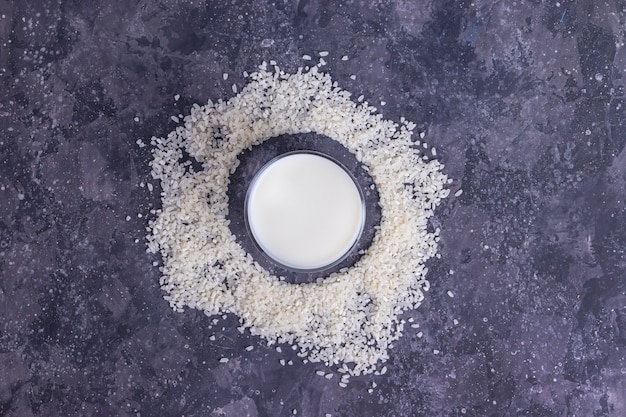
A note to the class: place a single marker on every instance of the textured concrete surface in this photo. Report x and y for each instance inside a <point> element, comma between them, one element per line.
<point>524,101</point>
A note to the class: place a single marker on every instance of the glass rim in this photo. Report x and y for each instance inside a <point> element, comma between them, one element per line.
<point>264,252</point>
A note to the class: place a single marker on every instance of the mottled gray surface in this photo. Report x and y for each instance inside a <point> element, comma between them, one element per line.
<point>524,102</point>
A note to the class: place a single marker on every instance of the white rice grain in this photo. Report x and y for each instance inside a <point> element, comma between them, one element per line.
<point>350,317</point>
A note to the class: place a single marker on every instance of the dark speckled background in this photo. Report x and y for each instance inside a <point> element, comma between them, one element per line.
<point>524,101</point>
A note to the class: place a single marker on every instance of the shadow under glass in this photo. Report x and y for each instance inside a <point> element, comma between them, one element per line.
<point>253,161</point>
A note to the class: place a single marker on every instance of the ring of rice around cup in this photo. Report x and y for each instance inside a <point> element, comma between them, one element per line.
<point>348,319</point>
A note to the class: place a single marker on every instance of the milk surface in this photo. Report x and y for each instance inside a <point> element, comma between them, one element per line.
<point>304,210</point>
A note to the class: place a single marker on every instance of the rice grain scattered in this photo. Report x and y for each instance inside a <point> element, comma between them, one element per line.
<point>350,319</point>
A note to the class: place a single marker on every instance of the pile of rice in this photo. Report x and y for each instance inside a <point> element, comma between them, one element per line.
<point>348,320</point>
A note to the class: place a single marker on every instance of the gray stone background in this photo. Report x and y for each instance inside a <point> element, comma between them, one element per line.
<point>524,101</point>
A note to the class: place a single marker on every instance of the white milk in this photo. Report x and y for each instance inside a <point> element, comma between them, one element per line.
<point>304,211</point>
